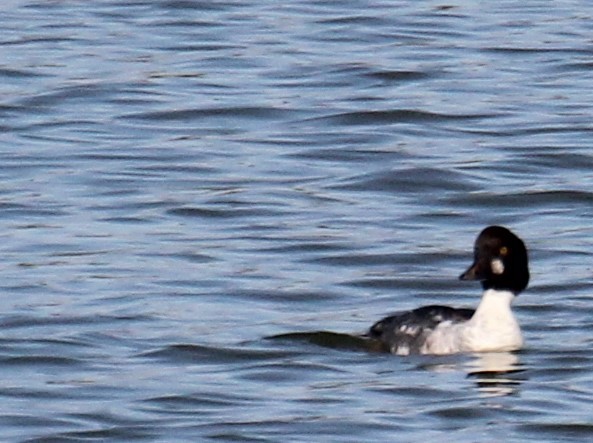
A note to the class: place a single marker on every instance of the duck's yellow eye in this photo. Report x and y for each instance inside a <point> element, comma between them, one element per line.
<point>504,251</point>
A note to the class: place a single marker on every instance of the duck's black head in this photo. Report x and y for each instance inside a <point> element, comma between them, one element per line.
<point>500,261</point>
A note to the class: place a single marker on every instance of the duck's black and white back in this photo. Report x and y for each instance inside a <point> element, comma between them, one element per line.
<point>501,264</point>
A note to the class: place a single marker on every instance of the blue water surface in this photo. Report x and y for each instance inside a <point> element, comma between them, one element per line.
<point>181,180</point>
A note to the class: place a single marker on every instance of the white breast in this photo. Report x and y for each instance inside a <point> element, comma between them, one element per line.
<point>492,328</point>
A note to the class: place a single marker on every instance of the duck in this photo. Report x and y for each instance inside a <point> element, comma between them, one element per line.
<point>500,264</point>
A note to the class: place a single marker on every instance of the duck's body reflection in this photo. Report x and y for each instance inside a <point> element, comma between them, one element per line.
<point>496,373</point>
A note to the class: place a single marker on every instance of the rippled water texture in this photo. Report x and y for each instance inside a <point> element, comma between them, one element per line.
<point>183,180</point>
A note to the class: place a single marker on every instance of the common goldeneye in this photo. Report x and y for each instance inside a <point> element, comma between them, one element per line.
<point>501,264</point>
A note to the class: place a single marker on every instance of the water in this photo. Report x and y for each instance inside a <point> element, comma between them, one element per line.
<point>182,180</point>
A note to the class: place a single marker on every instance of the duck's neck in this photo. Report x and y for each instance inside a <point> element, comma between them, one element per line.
<point>493,326</point>
<point>494,306</point>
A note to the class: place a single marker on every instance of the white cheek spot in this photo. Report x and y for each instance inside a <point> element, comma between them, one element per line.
<point>497,266</point>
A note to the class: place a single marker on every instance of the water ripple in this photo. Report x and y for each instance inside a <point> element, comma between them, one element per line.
<point>394,116</point>
<point>182,180</point>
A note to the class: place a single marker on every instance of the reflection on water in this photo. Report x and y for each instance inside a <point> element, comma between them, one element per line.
<point>496,373</point>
